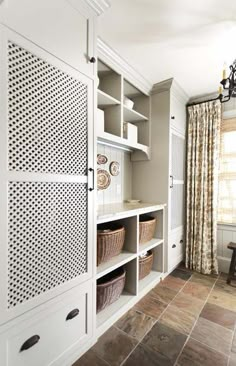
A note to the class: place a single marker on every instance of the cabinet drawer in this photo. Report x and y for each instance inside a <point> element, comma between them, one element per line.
<point>175,249</point>
<point>43,338</point>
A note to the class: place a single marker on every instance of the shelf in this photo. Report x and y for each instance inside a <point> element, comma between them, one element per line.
<point>116,211</point>
<point>114,309</point>
<point>149,245</point>
<point>130,115</point>
<point>119,142</point>
<point>149,281</point>
<point>105,100</point>
<point>114,263</point>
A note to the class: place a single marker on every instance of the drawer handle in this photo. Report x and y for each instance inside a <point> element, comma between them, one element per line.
<point>174,246</point>
<point>181,241</point>
<point>72,314</point>
<point>30,342</point>
<point>172,117</point>
<point>92,60</point>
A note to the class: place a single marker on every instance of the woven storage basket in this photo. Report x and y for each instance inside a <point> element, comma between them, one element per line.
<point>145,265</point>
<point>147,227</point>
<point>110,243</point>
<point>110,287</point>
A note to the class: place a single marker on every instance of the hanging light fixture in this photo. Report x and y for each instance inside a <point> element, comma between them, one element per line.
<point>228,83</point>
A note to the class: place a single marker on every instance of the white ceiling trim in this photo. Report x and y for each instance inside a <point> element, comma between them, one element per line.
<point>99,6</point>
<point>107,54</point>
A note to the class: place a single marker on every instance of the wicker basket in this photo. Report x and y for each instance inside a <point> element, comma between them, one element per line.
<point>110,287</point>
<point>147,227</point>
<point>145,265</point>
<point>109,243</point>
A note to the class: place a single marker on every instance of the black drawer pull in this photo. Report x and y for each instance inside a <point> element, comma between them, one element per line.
<point>30,342</point>
<point>174,246</point>
<point>172,117</point>
<point>92,60</point>
<point>181,241</point>
<point>72,314</point>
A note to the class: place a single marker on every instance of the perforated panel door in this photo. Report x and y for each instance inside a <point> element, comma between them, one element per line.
<point>46,211</point>
<point>177,178</point>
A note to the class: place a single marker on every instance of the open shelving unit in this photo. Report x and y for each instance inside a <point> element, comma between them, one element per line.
<point>128,215</point>
<point>112,90</point>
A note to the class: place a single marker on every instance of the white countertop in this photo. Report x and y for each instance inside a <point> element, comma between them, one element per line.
<point>124,209</point>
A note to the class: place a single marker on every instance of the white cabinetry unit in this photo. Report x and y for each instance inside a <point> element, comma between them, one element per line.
<point>64,28</point>
<point>128,215</point>
<point>162,178</point>
<point>47,148</point>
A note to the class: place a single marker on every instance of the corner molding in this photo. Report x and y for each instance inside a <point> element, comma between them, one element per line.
<point>168,84</point>
<point>107,54</point>
<point>99,6</point>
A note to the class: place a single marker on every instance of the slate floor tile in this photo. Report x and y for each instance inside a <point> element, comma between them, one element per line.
<point>165,340</point>
<point>164,294</point>
<point>183,275</point>
<point>213,335</point>
<point>197,354</point>
<point>143,356</point>
<point>114,346</point>
<point>179,320</point>
<point>203,279</point>
<point>135,323</point>
<point>196,290</point>
<point>151,306</point>
<point>188,303</point>
<point>90,358</point>
<point>174,283</point>
<point>219,315</point>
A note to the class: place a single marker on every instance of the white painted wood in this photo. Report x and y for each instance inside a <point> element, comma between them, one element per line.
<point>143,248</point>
<point>69,35</point>
<point>120,186</point>
<point>166,98</point>
<point>149,280</point>
<point>105,100</point>
<point>111,212</point>
<point>6,176</point>
<point>43,322</point>
<point>112,121</point>
<point>131,115</point>
<point>116,141</point>
<point>115,262</point>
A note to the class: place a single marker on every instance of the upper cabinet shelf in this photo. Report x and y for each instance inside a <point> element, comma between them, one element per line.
<point>117,124</point>
<point>105,100</point>
<point>130,115</point>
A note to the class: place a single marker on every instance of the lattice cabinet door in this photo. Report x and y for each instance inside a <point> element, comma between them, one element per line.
<point>46,186</point>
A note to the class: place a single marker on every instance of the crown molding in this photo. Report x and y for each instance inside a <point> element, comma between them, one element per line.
<point>99,6</point>
<point>113,59</point>
<point>170,84</point>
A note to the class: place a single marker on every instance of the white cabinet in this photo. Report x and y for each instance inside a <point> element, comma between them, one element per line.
<point>162,178</point>
<point>46,206</point>
<point>41,336</point>
<point>63,28</point>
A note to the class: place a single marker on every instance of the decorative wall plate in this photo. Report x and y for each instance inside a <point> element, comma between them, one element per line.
<point>101,159</point>
<point>114,168</point>
<point>103,179</point>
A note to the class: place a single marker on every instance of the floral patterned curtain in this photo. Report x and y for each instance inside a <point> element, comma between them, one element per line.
<point>202,176</point>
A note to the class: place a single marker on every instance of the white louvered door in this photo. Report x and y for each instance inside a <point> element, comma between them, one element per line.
<point>46,148</point>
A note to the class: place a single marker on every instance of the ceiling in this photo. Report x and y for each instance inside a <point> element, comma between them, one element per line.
<point>187,40</point>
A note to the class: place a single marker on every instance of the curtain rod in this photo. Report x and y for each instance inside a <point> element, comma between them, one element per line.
<point>204,101</point>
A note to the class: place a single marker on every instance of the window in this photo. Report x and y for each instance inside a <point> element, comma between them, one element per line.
<point>227,173</point>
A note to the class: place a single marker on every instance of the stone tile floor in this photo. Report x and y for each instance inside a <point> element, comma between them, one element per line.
<point>187,320</point>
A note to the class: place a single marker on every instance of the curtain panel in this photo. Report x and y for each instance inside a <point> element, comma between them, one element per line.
<point>202,177</point>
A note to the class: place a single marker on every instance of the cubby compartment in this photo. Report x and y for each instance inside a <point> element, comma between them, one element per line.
<point>128,294</point>
<point>109,87</point>
<point>158,236</point>
<point>156,271</point>
<point>129,248</point>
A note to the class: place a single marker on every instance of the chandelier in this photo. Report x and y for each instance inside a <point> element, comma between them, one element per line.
<point>228,83</point>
